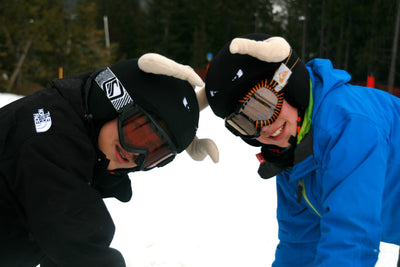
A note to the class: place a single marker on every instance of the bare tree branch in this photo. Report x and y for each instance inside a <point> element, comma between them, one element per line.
<point>19,65</point>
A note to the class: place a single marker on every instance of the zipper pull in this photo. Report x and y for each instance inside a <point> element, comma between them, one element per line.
<point>299,191</point>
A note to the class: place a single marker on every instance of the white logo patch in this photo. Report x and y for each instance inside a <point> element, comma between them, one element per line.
<point>281,77</point>
<point>113,88</point>
<point>42,121</point>
<point>239,74</point>
<point>213,93</point>
<point>186,103</point>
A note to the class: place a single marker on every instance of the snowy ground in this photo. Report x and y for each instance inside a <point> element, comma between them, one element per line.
<point>196,214</point>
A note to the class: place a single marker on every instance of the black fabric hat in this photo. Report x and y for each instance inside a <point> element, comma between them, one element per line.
<point>232,76</point>
<point>172,100</point>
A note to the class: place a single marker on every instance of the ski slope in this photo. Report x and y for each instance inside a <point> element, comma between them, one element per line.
<point>197,214</point>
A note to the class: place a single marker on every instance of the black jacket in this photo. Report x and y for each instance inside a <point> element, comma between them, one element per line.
<point>52,181</point>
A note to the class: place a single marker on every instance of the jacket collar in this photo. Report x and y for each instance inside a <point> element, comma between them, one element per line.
<point>303,151</point>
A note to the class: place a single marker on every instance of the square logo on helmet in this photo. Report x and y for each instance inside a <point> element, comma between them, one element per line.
<point>113,88</point>
<point>281,76</point>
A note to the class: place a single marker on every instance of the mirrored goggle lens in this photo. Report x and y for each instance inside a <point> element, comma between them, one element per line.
<point>241,125</point>
<point>261,105</point>
<point>259,110</point>
<point>140,134</point>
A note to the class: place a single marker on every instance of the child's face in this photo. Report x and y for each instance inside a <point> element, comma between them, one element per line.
<point>109,144</point>
<point>279,132</point>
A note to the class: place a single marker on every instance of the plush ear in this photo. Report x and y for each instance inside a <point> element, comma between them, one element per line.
<point>274,49</point>
<point>158,64</point>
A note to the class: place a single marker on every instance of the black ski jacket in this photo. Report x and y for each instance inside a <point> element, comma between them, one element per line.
<point>53,180</point>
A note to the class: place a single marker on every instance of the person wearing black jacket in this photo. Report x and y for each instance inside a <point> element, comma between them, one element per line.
<point>65,148</point>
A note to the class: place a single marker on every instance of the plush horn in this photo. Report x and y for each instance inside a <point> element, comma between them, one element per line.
<point>200,148</point>
<point>274,49</point>
<point>158,64</point>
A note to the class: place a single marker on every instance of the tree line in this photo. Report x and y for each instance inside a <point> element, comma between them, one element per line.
<point>38,37</point>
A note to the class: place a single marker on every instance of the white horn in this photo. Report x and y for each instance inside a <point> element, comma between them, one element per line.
<point>158,64</point>
<point>274,49</point>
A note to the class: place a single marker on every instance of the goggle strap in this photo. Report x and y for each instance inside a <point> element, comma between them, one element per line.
<point>114,89</point>
<point>273,82</point>
<point>140,160</point>
<point>278,86</point>
<point>298,124</point>
<point>290,55</point>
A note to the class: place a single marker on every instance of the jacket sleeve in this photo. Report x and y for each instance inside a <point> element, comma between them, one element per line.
<point>354,161</point>
<point>66,216</point>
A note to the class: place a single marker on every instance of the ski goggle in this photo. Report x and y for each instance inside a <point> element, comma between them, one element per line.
<point>259,108</point>
<point>140,133</point>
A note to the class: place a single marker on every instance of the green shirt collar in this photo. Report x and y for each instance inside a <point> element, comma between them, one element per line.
<point>306,126</point>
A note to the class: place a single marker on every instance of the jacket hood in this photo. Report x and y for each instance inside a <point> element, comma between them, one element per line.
<point>324,77</point>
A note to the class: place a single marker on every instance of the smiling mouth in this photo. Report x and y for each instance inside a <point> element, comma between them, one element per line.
<point>121,154</point>
<point>278,132</point>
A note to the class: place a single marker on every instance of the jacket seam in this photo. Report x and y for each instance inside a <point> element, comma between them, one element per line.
<point>306,198</point>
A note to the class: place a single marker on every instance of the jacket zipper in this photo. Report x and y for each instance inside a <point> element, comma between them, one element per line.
<point>301,191</point>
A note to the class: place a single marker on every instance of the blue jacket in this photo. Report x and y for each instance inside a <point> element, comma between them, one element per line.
<point>351,182</point>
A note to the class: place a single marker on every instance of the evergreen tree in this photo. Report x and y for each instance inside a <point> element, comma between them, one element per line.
<point>126,22</point>
<point>38,36</point>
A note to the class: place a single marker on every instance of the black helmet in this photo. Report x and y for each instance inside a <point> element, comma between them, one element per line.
<point>231,76</point>
<point>170,99</point>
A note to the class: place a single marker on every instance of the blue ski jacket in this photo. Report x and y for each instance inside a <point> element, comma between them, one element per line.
<point>351,181</point>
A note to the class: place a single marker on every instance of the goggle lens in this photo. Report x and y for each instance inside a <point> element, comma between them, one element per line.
<point>141,134</point>
<point>260,108</point>
<point>240,125</point>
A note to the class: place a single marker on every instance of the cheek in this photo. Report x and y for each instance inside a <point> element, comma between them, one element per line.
<point>108,135</point>
<point>289,113</point>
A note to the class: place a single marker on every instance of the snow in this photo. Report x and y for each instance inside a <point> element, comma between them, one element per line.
<point>198,213</point>
<point>6,98</point>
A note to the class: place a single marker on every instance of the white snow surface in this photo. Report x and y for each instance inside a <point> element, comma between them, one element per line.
<point>198,213</point>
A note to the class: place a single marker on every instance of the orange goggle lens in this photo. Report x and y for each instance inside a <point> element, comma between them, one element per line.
<point>140,133</point>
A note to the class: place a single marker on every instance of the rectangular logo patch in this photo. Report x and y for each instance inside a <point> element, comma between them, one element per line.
<point>281,77</point>
<point>114,89</point>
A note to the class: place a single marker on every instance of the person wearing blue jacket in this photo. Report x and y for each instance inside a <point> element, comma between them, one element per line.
<point>332,146</point>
